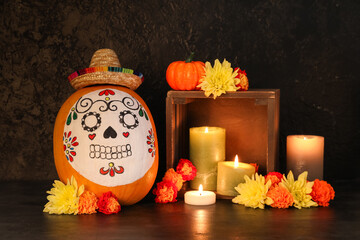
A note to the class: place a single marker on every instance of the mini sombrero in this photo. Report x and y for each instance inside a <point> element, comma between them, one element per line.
<point>105,68</point>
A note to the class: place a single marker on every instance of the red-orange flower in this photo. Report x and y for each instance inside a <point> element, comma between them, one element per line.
<point>108,203</point>
<point>173,177</point>
<point>87,203</point>
<point>165,192</point>
<point>243,84</point>
<point>281,196</point>
<point>275,178</point>
<point>186,169</point>
<point>322,192</point>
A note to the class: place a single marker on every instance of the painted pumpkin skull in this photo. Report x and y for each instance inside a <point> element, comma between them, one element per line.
<point>105,137</point>
<point>104,134</point>
<point>108,138</point>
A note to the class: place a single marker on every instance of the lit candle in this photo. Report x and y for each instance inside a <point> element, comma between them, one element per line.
<point>200,197</point>
<point>230,174</point>
<point>305,153</point>
<point>207,148</point>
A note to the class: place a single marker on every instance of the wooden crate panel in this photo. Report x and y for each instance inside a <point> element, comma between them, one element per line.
<point>251,120</point>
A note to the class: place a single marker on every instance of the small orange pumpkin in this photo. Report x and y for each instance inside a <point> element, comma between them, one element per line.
<point>105,137</point>
<point>185,75</point>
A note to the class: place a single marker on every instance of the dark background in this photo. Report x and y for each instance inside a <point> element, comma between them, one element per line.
<point>307,49</point>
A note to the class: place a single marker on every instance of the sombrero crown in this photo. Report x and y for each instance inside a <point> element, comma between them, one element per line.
<point>105,68</point>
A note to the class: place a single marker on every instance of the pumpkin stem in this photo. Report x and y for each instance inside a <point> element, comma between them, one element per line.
<point>190,58</point>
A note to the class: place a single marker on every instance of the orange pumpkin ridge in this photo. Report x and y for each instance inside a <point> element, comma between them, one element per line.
<point>185,75</point>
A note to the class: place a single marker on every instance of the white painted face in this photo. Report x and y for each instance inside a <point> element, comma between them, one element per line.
<point>108,138</point>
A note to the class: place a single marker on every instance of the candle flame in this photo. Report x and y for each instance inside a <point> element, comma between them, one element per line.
<point>305,138</point>
<point>200,189</point>
<point>206,129</point>
<point>236,162</point>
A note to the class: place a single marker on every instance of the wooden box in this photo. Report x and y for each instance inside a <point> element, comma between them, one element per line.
<point>251,120</point>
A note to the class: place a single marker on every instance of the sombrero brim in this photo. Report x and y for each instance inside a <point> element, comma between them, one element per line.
<point>106,75</point>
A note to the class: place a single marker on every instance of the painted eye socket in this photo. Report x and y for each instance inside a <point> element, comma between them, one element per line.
<point>128,119</point>
<point>91,121</point>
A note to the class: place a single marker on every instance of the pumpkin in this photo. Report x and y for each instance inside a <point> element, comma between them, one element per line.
<point>185,75</point>
<point>105,137</point>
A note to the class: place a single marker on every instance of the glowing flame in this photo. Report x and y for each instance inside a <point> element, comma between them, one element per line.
<point>206,130</point>
<point>236,162</point>
<point>200,189</point>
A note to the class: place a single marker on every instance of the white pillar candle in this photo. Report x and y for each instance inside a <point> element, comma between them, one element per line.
<point>207,148</point>
<point>305,153</point>
<point>200,197</point>
<point>230,174</point>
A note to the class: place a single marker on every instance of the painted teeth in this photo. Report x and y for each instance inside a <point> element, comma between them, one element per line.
<point>110,152</point>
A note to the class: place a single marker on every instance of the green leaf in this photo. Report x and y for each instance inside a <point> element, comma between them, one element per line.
<point>75,116</point>
<point>141,113</point>
<point>68,121</point>
<point>146,116</point>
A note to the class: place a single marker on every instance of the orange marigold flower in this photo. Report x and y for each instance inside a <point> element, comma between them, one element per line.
<point>322,192</point>
<point>165,192</point>
<point>88,203</point>
<point>108,203</point>
<point>173,177</point>
<point>186,169</point>
<point>281,196</point>
<point>275,178</point>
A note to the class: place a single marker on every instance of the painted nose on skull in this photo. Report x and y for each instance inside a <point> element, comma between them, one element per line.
<point>110,133</point>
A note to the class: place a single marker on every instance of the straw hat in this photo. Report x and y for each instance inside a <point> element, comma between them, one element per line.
<point>105,68</point>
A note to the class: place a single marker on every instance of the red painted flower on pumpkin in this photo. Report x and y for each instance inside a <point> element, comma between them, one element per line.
<point>244,82</point>
<point>151,142</point>
<point>112,170</point>
<point>165,192</point>
<point>106,92</point>
<point>281,197</point>
<point>275,178</point>
<point>322,193</point>
<point>186,169</point>
<point>108,203</point>
<point>69,146</point>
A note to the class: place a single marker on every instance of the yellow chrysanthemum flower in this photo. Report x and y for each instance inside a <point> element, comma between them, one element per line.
<point>253,192</point>
<point>64,199</point>
<point>300,190</point>
<point>218,79</point>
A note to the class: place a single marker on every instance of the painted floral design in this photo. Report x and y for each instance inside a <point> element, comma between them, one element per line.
<point>106,92</point>
<point>72,116</point>
<point>69,146</point>
<point>151,142</point>
<point>112,170</point>
<point>142,113</point>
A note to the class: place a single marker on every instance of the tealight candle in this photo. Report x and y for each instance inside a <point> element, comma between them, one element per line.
<point>207,148</point>
<point>305,153</point>
<point>200,197</point>
<point>230,174</point>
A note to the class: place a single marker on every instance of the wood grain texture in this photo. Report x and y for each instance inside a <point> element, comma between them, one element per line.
<point>22,218</point>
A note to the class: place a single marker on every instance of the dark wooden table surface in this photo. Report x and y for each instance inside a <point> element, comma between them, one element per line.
<point>21,217</point>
